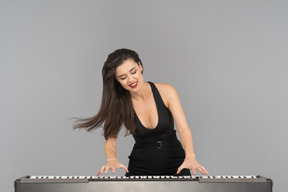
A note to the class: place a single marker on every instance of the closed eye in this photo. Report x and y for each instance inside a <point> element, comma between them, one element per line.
<point>132,71</point>
<point>123,78</point>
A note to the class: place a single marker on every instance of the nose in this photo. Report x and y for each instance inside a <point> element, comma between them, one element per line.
<point>130,78</point>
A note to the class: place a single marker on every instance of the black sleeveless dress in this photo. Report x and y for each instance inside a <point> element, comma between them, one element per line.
<point>157,151</point>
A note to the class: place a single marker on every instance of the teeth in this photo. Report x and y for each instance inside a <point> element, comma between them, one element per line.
<point>133,84</point>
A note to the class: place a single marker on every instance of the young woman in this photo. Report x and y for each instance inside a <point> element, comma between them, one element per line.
<point>148,111</point>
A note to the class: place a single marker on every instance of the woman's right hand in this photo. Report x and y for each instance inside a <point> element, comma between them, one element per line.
<point>112,164</point>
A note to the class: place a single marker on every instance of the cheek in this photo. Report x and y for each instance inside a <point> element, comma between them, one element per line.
<point>124,83</point>
<point>139,75</point>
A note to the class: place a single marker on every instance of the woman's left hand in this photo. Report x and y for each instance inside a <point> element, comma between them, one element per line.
<point>193,165</point>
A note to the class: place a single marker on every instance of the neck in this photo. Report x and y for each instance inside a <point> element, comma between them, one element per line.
<point>142,93</point>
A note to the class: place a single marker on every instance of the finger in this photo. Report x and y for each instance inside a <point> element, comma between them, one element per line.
<point>98,172</point>
<point>107,169</point>
<point>179,169</point>
<point>193,171</point>
<point>203,170</point>
<point>102,169</point>
<point>113,169</point>
<point>125,168</point>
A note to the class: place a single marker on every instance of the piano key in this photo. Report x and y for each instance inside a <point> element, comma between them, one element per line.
<point>192,183</point>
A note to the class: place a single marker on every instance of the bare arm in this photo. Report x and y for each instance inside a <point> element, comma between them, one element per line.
<point>176,109</point>
<point>110,148</point>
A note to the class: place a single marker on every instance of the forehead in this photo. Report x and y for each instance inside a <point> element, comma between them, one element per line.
<point>125,67</point>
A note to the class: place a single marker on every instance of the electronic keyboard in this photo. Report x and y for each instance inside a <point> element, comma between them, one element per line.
<point>143,184</point>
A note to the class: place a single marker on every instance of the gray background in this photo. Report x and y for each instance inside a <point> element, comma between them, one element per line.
<point>227,59</point>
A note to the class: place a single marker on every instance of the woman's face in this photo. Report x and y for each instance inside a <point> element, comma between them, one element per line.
<point>129,75</point>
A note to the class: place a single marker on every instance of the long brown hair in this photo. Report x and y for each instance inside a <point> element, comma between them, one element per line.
<point>116,106</point>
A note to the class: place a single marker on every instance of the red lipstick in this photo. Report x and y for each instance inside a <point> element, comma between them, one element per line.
<point>133,85</point>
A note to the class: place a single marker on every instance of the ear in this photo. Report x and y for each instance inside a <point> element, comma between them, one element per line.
<point>141,68</point>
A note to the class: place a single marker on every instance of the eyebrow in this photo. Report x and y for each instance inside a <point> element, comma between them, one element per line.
<point>124,74</point>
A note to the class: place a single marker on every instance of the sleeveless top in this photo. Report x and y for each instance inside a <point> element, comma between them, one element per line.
<point>156,151</point>
<point>165,126</point>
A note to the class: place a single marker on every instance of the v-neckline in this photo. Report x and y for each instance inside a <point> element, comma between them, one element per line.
<point>150,129</point>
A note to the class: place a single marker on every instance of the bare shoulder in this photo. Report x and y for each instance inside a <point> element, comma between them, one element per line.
<point>166,91</point>
<point>164,87</point>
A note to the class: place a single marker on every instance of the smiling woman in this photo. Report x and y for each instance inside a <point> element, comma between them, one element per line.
<point>148,111</point>
<point>129,73</point>
<point>116,106</point>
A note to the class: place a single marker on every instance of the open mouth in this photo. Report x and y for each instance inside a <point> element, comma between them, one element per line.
<point>133,85</point>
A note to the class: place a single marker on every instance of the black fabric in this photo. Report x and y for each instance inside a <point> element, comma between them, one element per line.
<point>157,151</point>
